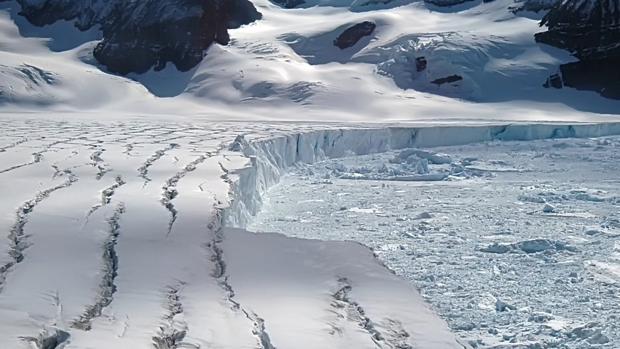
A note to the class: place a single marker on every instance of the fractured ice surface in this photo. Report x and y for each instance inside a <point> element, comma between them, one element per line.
<point>516,246</point>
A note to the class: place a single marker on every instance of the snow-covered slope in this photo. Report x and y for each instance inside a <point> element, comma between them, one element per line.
<point>481,62</point>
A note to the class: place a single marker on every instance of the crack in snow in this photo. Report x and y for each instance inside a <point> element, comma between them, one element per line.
<point>98,163</point>
<point>107,287</point>
<point>106,195</point>
<point>345,307</point>
<point>17,235</point>
<point>48,339</point>
<point>219,273</point>
<point>144,169</point>
<point>169,190</point>
<point>13,145</point>
<point>36,158</point>
<point>172,332</point>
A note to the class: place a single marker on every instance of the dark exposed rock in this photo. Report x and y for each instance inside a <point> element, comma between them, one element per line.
<point>601,75</point>
<point>354,34</point>
<point>590,30</point>
<point>288,3</point>
<point>420,64</point>
<point>447,79</point>
<point>140,35</point>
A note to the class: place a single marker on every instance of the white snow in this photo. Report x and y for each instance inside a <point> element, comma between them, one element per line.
<point>285,65</point>
<point>114,189</point>
<point>113,237</point>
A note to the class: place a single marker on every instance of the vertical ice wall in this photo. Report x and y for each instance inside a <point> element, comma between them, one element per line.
<point>270,158</point>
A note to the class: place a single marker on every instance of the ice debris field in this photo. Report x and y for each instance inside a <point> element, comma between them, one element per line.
<point>515,244</point>
<point>130,235</point>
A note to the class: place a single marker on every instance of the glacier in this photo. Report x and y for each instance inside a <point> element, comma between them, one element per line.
<point>271,158</point>
<point>115,194</point>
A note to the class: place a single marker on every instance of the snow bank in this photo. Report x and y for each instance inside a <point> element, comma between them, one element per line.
<point>270,158</point>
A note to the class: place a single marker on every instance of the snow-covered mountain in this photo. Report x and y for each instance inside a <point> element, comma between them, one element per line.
<point>140,35</point>
<point>140,138</point>
<point>326,59</point>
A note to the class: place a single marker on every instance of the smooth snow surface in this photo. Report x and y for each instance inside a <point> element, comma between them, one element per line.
<point>286,67</point>
<point>515,244</point>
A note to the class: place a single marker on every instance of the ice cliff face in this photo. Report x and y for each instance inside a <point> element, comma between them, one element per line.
<point>270,158</point>
<point>140,35</point>
<point>590,29</point>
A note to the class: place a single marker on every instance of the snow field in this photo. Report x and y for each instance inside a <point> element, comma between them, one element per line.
<point>114,237</point>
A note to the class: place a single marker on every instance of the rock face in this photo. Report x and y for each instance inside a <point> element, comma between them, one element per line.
<point>353,34</point>
<point>420,64</point>
<point>590,29</point>
<point>447,80</point>
<point>140,35</point>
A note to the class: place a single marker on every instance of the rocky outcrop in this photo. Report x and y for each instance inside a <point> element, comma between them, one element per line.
<point>590,29</point>
<point>354,34</point>
<point>601,75</point>
<point>140,35</point>
<point>420,64</point>
<point>447,80</point>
